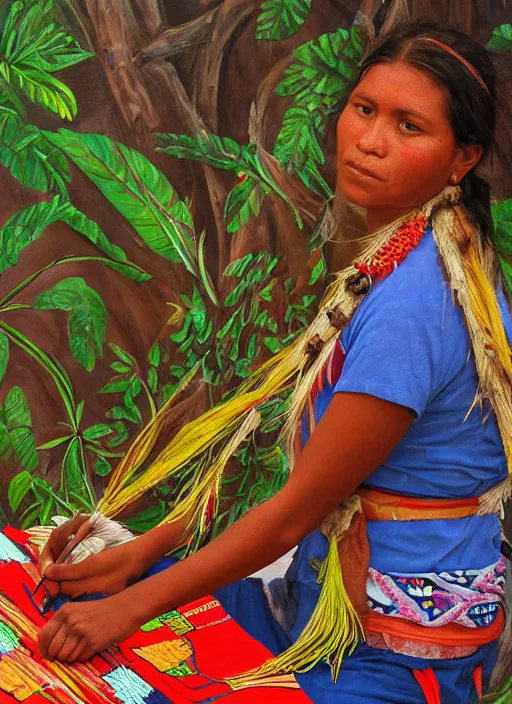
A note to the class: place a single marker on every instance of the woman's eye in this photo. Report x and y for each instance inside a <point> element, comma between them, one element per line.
<point>364,109</point>
<point>409,127</point>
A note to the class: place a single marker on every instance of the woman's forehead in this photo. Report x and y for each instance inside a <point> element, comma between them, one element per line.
<point>399,86</point>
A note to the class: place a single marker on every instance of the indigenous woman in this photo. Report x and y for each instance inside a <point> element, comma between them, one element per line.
<point>400,424</point>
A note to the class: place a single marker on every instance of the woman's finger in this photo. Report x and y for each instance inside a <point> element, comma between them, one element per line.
<point>72,572</point>
<point>76,654</point>
<point>69,645</point>
<point>53,632</point>
<point>58,540</point>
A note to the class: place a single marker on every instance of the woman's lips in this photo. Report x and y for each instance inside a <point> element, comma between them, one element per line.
<point>361,171</point>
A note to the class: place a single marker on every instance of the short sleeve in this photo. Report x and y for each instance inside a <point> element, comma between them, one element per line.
<point>399,339</point>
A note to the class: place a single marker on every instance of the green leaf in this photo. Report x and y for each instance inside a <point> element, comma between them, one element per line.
<point>132,412</point>
<point>19,487</point>
<point>266,293</point>
<point>102,467</point>
<point>47,512</point>
<point>30,157</point>
<point>297,146</point>
<point>123,355</point>
<point>227,154</point>
<point>243,203</point>
<point>139,191</point>
<point>72,467</point>
<point>4,354</point>
<point>120,367</point>
<point>87,323</point>
<point>97,431</point>
<point>319,80</point>
<point>155,355</point>
<point>501,38</point>
<point>234,296</point>
<point>55,443</point>
<point>280,19</point>
<point>238,267</point>
<point>153,380</point>
<point>27,226</point>
<point>147,519</point>
<point>116,386</point>
<point>273,344</point>
<point>122,434</point>
<point>33,46</point>
<point>318,271</point>
<point>502,217</point>
<point>19,424</point>
<point>80,412</point>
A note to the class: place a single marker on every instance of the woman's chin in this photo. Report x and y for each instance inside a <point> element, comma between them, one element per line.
<point>359,196</point>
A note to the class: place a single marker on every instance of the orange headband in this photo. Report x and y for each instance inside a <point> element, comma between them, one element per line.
<point>466,63</point>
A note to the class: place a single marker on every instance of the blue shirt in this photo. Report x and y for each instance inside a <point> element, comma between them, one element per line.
<point>407,343</point>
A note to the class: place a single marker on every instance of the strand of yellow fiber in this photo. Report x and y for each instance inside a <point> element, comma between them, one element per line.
<point>332,633</point>
<point>212,427</point>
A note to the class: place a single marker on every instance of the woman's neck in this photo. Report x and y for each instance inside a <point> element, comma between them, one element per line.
<point>379,217</point>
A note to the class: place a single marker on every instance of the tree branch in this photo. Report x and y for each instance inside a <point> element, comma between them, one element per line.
<point>230,17</point>
<point>153,15</point>
<point>176,40</point>
<point>117,35</point>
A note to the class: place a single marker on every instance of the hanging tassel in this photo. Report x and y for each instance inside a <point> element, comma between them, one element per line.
<point>334,629</point>
<point>200,505</point>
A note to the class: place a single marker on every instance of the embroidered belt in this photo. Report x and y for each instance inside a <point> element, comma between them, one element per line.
<point>403,635</point>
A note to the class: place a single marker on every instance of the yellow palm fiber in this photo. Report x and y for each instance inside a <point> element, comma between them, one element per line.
<point>457,240</point>
<point>213,426</point>
<point>283,681</point>
<point>334,629</point>
<point>195,505</point>
<point>141,447</point>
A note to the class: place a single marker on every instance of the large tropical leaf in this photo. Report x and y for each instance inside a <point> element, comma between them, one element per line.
<point>33,46</point>
<point>29,156</point>
<point>27,225</point>
<point>87,323</point>
<point>139,191</point>
<point>280,19</point>
<point>16,436</point>
<point>501,38</point>
<point>225,153</point>
<point>502,216</point>
<point>319,81</point>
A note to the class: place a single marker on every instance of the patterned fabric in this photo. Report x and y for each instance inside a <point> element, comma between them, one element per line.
<point>470,598</point>
<point>182,657</point>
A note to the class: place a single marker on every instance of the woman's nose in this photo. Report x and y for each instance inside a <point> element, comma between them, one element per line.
<point>373,141</point>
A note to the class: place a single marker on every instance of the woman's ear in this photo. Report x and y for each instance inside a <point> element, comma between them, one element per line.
<point>467,158</point>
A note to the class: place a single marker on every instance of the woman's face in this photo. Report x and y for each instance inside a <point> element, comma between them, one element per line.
<point>396,148</point>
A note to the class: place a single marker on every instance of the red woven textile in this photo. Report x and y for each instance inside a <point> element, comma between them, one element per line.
<point>184,656</point>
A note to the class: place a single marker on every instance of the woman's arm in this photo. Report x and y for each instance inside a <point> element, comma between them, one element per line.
<point>353,438</point>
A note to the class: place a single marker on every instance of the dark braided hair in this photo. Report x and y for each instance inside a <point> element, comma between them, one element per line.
<point>472,110</point>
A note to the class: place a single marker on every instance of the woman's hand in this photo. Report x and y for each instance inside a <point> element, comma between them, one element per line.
<point>108,572</point>
<point>79,631</point>
<point>58,540</point>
